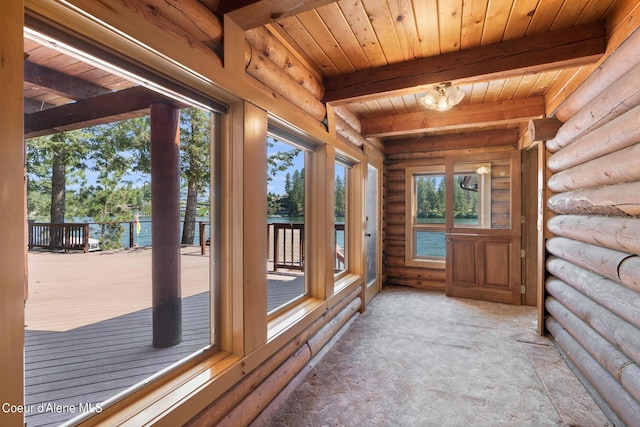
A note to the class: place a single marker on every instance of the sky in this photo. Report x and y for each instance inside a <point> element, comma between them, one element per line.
<point>276,185</point>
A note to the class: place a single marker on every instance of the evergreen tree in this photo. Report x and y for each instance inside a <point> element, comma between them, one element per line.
<point>194,151</point>
<point>287,183</point>
<point>52,158</point>
<point>340,198</point>
<point>296,194</point>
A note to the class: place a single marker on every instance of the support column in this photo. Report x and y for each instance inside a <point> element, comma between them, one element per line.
<point>165,225</point>
<point>13,220</point>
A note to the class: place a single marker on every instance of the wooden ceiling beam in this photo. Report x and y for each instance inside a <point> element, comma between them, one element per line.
<point>33,106</point>
<point>493,138</point>
<point>461,116</point>
<point>248,14</point>
<point>539,130</point>
<point>554,50</point>
<point>101,109</point>
<point>61,84</point>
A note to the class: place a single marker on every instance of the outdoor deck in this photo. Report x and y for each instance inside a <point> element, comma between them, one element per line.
<point>88,325</point>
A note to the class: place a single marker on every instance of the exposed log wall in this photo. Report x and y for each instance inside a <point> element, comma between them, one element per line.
<point>244,402</point>
<point>266,58</point>
<point>593,284</point>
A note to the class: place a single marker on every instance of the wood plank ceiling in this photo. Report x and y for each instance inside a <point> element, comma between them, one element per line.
<point>364,38</point>
<point>486,47</point>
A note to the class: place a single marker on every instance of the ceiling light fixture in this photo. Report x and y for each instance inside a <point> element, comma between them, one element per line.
<point>442,97</point>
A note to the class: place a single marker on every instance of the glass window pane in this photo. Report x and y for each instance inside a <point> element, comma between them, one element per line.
<point>340,198</point>
<point>430,199</point>
<point>89,336</point>
<point>430,244</point>
<point>465,199</point>
<point>371,211</point>
<point>482,194</point>
<point>285,224</point>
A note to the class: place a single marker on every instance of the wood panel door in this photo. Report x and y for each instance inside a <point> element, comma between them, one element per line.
<point>483,267</point>
<point>483,236</point>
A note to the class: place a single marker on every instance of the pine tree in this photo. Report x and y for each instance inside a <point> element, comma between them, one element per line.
<point>339,198</point>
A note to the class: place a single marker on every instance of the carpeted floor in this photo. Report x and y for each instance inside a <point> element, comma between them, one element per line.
<point>418,358</point>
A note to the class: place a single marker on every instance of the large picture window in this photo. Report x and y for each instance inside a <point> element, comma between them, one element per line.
<point>287,219</point>
<point>96,324</point>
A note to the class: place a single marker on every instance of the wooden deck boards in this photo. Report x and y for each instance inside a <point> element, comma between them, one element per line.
<point>88,335</point>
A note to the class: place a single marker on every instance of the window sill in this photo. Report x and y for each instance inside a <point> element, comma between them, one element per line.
<point>176,397</point>
<point>344,280</point>
<point>426,263</point>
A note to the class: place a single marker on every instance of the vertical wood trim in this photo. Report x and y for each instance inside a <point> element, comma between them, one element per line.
<point>449,170</point>
<point>255,220</point>
<point>232,225</point>
<point>355,216</point>
<point>516,226</point>
<point>216,205</point>
<point>409,196</point>
<point>13,214</point>
<point>327,182</point>
<point>234,47</point>
<point>530,206</point>
<point>317,215</point>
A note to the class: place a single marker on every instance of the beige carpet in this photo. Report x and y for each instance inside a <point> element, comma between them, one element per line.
<point>418,358</point>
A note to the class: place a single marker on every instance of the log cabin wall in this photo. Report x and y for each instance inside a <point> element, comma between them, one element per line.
<point>593,263</point>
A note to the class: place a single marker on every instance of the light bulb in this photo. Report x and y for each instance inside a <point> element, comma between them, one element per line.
<point>430,99</point>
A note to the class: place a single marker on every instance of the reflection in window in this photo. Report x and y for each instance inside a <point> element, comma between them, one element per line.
<point>285,223</point>
<point>472,195</point>
<point>340,198</point>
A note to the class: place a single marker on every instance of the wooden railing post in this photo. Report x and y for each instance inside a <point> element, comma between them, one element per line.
<point>276,246</point>
<point>85,229</point>
<point>203,243</point>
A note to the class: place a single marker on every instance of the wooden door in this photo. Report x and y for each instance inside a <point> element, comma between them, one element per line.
<point>483,257</point>
<point>483,267</point>
<point>372,227</point>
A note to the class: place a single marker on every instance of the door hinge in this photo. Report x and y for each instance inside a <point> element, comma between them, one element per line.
<point>522,253</point>
<point>523,219</point>
<point>523,289</point>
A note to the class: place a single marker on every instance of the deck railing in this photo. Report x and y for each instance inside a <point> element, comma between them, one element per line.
<point>285,240</point>
<point>286,246</point>
<point>67,237</point>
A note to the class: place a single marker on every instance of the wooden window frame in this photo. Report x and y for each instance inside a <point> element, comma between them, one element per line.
<point>411,225</point>
<point>245,341</point>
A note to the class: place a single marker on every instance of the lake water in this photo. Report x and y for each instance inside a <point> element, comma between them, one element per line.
<point>433,244</point>
<point>144,237</point>
<point>429,244</point>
